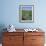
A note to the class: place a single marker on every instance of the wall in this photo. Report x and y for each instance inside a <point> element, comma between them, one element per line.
<point>9,13</point>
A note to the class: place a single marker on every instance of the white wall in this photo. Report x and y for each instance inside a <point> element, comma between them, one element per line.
<point>10,13</point>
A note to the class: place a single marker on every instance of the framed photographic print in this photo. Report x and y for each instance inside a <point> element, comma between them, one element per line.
<point>26,13</point>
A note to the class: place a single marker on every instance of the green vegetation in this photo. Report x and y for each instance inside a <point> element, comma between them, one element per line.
<point>26,15</point>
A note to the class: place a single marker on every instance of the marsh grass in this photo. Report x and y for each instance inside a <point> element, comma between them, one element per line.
<point>26,14</point>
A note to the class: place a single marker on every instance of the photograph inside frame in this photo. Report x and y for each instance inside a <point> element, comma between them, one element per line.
<point>26,13</point>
